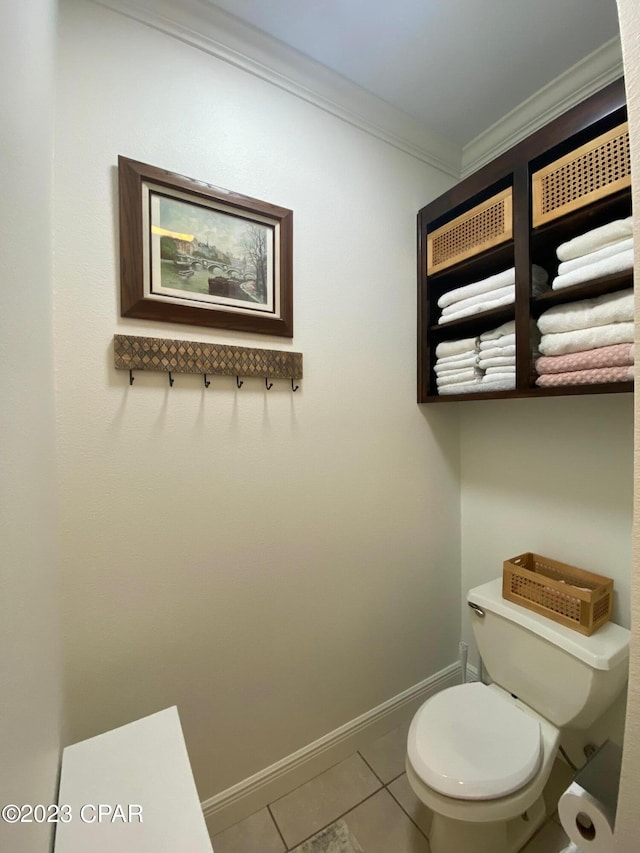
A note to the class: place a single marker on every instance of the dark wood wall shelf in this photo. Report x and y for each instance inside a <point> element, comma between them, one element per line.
<point>598,114</point>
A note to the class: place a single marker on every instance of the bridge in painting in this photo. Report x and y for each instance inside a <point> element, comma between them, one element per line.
<point>189,262</point>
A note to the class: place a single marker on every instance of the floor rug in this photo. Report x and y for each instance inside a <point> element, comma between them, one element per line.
<point>334,839</point>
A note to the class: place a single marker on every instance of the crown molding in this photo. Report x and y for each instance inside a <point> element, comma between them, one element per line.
<point>588,76</point>
<point>210,29</point>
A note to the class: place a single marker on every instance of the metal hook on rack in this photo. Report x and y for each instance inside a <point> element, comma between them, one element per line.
<point>239,382</point>
<point>171,380</point>
<point>294,387</point>
<point>207,382</point>
<point>131,377</point>
<point>269,385</point>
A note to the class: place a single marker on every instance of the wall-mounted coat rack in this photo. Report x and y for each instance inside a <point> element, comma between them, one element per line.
<point>161,354</point>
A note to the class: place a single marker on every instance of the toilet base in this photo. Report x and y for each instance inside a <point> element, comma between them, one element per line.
<point>455,836</point>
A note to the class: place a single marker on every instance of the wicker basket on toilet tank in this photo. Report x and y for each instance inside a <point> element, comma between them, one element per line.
<point>573,597</point>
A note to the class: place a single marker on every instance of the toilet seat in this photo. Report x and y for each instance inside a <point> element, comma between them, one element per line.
<point>468,742</point>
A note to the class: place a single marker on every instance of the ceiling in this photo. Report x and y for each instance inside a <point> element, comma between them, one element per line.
<point>456,66</point>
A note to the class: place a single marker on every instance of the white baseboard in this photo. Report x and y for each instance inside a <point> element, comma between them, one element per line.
<point>255,792</point>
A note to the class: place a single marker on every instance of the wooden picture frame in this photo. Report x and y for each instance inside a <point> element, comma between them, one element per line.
<point>198,254</point>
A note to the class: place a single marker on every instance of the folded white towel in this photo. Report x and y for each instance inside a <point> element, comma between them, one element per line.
<point>505,341</point>
<point>496,361</point>
<point>496,383</point>
<point>468,375</point>
<point>493,282</point>
<point>451,387</point>
<point>458,357</point>
<point>487,305</point>
<point>479,299</point>
<point>507,328</point>
<point>595,239</point>
<point>448,348</point>
<point>539,277</point>
<point>472,366</point>
<point>497,352</point>
<point>504,378</point>
<point>619,262</point>
<point>598,255</point>
<point>502,368</point>
<point>559,343</point>
<point>460,388</point>
<point>460,364</point>
<point>600,311</point>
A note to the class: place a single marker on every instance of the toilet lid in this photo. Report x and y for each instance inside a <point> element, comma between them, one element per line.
<point>471,743</point>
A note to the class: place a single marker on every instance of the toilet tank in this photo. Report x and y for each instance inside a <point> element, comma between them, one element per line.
<point>566,677</point>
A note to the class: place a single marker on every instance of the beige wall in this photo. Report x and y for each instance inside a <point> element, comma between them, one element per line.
<point>628,818</point>
<point>30,675</point>
<point>553,476</point>
<point>274,564</point>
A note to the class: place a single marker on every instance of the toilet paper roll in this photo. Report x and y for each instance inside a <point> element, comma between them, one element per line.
<point>586,820</point>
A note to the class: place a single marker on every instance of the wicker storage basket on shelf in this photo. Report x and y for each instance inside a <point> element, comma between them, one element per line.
<point>595,170</point>
<point>573,597</point>
<point>484,226</point>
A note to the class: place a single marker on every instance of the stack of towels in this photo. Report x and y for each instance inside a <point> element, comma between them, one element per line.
<point>456,366</point>
<point>587,342</point>
<point>599,252</point>
<point>486,294</point>
<point>497,357</point>
<point>473,365</point>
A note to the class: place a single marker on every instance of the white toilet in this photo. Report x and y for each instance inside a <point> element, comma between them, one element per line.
<point>479,756</point>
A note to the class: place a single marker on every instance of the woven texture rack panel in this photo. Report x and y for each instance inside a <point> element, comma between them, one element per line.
<point>593,171</point>
<point>535,591</point>
<point>573,597</point>
<point>136,353</point>
<point>484,226</point>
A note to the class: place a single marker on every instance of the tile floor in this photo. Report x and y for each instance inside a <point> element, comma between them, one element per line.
<point>368,792</point>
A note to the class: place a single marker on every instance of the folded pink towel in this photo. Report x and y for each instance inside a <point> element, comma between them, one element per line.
<point>616,355</point>
<point>586,377</point>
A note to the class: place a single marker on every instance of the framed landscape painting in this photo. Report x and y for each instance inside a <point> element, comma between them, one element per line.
<point>194,253</point>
